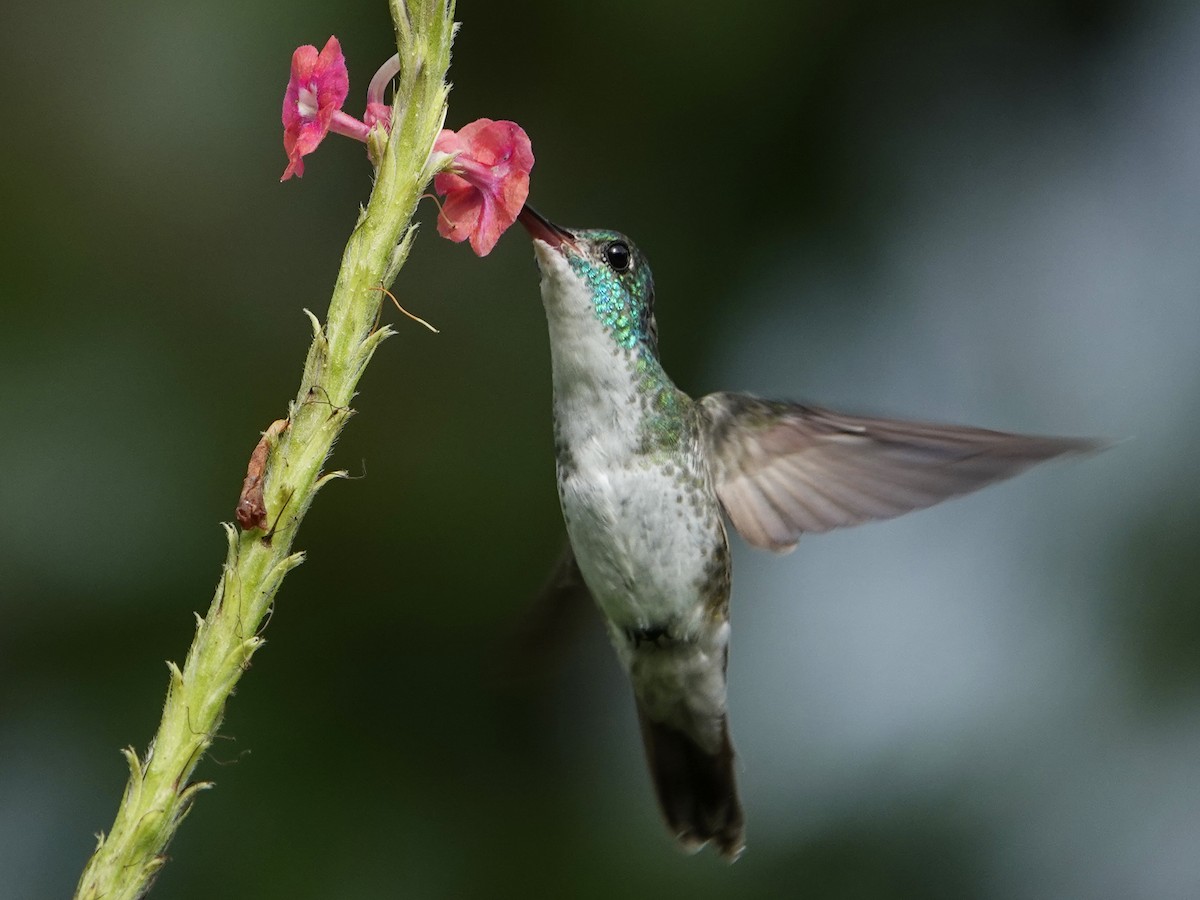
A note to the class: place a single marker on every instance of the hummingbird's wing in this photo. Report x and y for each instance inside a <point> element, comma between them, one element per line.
<point>781,469</point>
<point>543,630</point>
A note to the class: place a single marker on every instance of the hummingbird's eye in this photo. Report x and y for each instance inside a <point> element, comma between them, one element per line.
<point>617,256</point>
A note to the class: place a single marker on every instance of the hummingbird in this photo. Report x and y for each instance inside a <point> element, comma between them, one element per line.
<point>645,473</point>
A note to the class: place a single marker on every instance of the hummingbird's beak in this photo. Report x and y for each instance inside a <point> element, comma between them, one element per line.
<point>542,229</point>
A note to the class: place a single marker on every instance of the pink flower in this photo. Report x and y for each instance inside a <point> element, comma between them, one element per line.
<point>484,168</point>
<point>312,105</point>
<point>487,181</point>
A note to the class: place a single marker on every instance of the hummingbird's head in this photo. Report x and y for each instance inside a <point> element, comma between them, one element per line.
<point>595,274</point>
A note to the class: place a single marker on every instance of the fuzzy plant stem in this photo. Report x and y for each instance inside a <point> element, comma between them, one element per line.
<point>160,791</point>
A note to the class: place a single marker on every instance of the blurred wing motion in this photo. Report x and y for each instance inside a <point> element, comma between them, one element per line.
<point>535,645</point>
<point>781,469</point>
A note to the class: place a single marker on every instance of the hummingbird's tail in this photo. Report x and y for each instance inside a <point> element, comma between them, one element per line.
<point>696,789</point>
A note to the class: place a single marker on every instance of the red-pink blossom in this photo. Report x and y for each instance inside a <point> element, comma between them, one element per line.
<point>312,104</point>
<point>487,182</point>
<point>484,167</point>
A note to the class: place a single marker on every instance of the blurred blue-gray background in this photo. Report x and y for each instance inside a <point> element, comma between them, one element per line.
<point>984,213</point>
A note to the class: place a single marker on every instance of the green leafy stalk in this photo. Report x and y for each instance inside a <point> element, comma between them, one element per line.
<point>160,791</point>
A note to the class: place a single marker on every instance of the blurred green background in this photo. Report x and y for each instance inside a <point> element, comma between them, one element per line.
<point>983,213</point>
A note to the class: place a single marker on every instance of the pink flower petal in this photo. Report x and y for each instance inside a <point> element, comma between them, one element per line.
<point>487,184</point>
<point>316,90</point>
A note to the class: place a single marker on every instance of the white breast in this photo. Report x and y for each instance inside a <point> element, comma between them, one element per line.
<point>641,543</point>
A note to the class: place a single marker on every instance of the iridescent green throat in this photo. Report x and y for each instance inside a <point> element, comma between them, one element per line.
<point>621,301</point>
<point>666,410</point>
